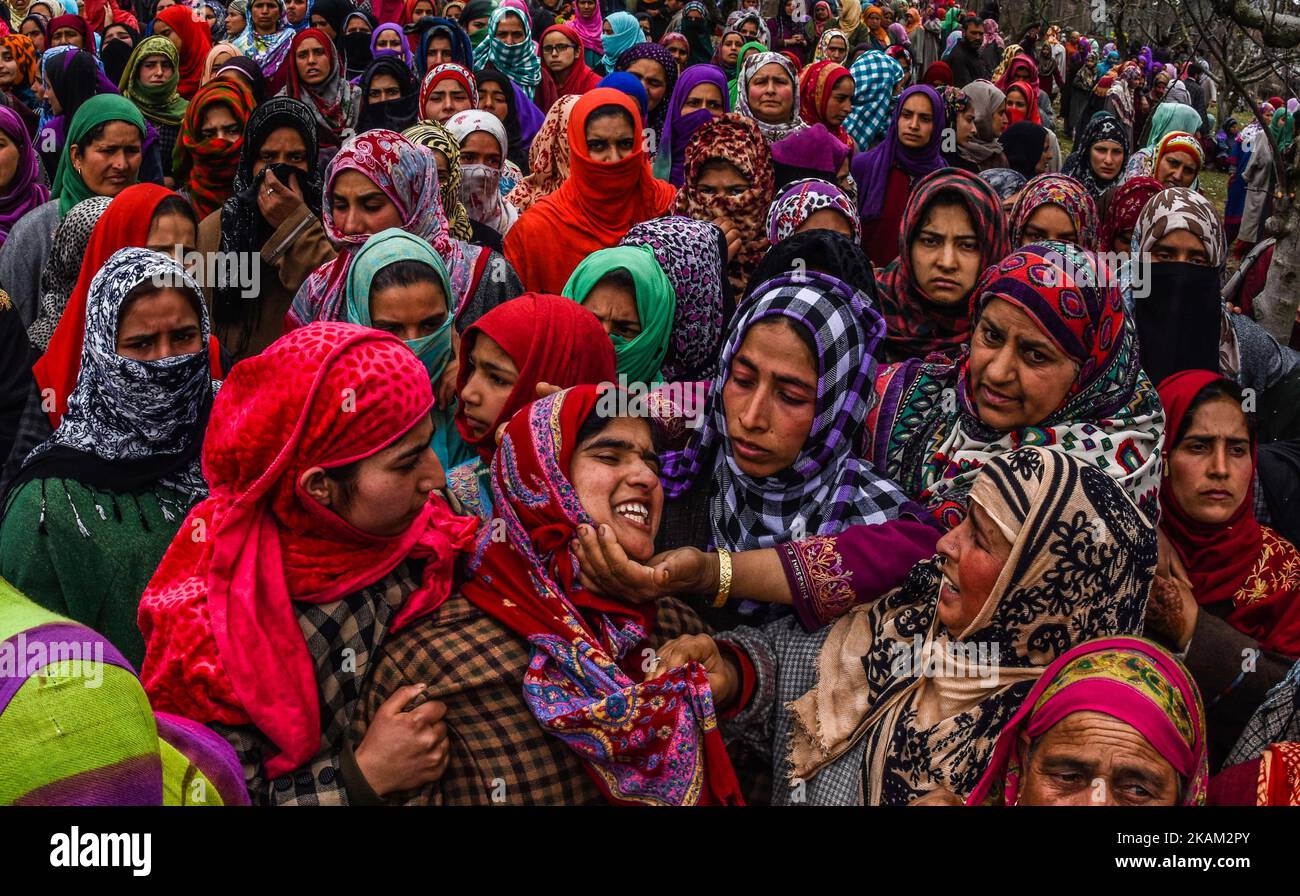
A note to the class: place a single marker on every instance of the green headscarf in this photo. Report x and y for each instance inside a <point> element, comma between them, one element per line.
<point>161,104</point>
<point>1168,118</point>
<point>68,186</point>
<point>386,248</point>
<point>1282,127</point>
<point>733,83</point>
<point>656,304</point>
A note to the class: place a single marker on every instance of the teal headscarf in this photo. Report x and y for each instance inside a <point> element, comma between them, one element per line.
<point>1168,118</point>
<point>656,304</point>
<point>518,62</point>
<point>386,248</point>
<point>627,33</point>
<point>68,186</point>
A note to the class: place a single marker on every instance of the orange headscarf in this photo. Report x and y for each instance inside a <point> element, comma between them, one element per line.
<point>593,209</point>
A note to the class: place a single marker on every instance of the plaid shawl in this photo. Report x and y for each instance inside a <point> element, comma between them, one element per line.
<point>826,488</point>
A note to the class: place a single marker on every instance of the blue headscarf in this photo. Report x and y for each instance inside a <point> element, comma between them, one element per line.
<point>627,33</point>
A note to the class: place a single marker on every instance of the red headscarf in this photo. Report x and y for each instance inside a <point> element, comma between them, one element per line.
<point>937,73</point>
<point>593,209</point>
<point>815,85</point>
<point>222,641</point>
<point>125,223</point>
<point>76,23</point>
<point>551,339</point>
<point>441,72</point>
<point>1125,205</point>
<point>1237,560</point>
<point>210,165</point>
<point>579,78</point>
<point>1031,102</point>
<point>1018,61</point>
<point>196,41</point>
<point>93,12</point>
<point>643,742</point>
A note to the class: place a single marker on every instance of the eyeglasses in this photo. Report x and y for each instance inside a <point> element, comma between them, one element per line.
<point>557,49</point>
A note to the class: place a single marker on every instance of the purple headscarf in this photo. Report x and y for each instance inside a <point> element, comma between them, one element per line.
<point>660,54</point>
<point>678,128</point>
<point>406,55</point>
<point>812,149</point>
<point>898,36</point>
<point>530,117</point>
<point>24,191</point>
<point>871,168</point>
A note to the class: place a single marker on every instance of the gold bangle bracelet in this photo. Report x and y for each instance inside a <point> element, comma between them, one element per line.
<point>724,578</point>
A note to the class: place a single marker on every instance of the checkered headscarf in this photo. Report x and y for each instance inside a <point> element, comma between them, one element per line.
<point>828,487</point>
<point>874,77</point>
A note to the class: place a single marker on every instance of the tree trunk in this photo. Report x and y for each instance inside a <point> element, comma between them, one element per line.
<point>1276,306</point>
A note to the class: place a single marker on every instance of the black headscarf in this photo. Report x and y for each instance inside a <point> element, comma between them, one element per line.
<point>462,51</point>
<point>518,153</point>
<point>335,12</point>
<point>395,115</point>
<point>116,53</point>
<point>827,251</point>
<point>355,48</point>
<point>253,72</point>
<point>243,229</point>
<point>1023,144</point>
<point>1103,126</point>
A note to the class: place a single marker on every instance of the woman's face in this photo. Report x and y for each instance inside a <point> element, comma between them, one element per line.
<point>447,97</point>
<point>965,126</point>
<point>827,219</point>
<point>1049,222</point>
<point>973,555</point>
<point>704,96</point>
<point>1122,242</point>
<point>946,255</point>
<point>389,41</point>
<point>118,32</point>
<point>219,122</point>
<point>221,59</point>
<point>65,37</point>
<point>653,78</point>
<point>730,49</point>
<point>680,54</point>
<point>1107,159</point>
<point>836,49</point>
<point>360,207</point>
<point>1177,169</point>
<point>481,148</point>
<point>770,399</point>
<point>606,27</point>
<point>388,489</point>
<point>616,476</point>
<point>409,312</point>
<point>821,13</point>
<point>1018,377</point>
<point>266,15</point>
<point>357,25</point>
<point>295,10</point>
<point>1091,758</point>
<point>615,307</point>
<point>383,87</point>
<point>721,181</point>
<point>1211,469</point>
<point>161,324</point>
<point>1000,119</point>
<point>421,9</point>
<point>1180,245</point>
<point>586,8</point>
<point>749,30</point>
<point>873,20</point>
<point>35,35</point>
<point>610,138</point>
<point>492,98</point>
<point>313,62</point>
<point>841,102</point>
<point>8,68</point>
<point>438,52</point>
<point>110,163</point>
<point>283,146</point>
<point>1016,103</point>
<point>172,234</point>
<point>558,52</point>
<point>492,377</point>
<point>8,160</point>
<point>235,23</point>
<point>916,121</point>
<point>771,95</point>
<point>510,30</point>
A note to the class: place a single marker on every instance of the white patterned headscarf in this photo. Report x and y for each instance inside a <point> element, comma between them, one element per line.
<point>780,130</point>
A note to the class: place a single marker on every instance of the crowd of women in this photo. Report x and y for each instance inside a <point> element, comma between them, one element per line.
<point>547,403</point>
